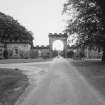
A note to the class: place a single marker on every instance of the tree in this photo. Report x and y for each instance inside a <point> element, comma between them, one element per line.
<point>10,29</point>
<point>89,22</point>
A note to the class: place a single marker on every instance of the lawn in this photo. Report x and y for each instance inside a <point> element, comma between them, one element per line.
<point>12,84</point>
<point>5,61</point>
<point>94,73</point>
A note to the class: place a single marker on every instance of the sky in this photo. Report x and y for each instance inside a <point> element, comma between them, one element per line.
<point>39,16</point>
<point>58,45</point>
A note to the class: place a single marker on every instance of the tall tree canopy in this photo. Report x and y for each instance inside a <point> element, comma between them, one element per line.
<point>88,20</point>
<point>11,30</point>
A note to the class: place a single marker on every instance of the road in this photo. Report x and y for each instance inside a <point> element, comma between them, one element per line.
<point>62,84</point>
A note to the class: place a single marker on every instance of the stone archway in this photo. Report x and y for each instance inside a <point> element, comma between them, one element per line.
<point>54,37</point>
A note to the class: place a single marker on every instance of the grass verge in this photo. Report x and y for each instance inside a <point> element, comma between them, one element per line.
<point>9,61</point>
<point>12,84</point>
<point>94,73</point>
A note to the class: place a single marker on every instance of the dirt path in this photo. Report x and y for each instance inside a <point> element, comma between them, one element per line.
<point>62,85</point>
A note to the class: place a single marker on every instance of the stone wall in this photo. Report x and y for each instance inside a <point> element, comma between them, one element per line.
<point>88,53</point>
<point>1,50</point>
<point>40,51</point>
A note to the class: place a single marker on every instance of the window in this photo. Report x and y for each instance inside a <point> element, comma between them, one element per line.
<point>16,50</point>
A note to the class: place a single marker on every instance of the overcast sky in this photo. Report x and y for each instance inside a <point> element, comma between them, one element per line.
<point>39,16</point>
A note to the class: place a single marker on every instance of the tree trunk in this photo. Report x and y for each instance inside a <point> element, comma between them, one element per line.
<point>103,56</point>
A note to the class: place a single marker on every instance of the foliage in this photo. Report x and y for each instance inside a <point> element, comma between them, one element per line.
<point>10,29</point>
<point>86,19</point>
<point>102,5</point>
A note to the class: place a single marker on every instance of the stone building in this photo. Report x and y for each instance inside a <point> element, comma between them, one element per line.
<point>15,49</point>
<point>87,52</point>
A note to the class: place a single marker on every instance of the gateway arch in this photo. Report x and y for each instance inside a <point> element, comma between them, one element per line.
<point>61,37</point>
